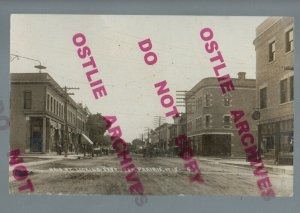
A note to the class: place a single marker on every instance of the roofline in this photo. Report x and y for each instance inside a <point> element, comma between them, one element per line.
<point>54,85</point>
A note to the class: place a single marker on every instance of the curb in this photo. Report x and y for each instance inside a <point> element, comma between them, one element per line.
<point>269,168</point>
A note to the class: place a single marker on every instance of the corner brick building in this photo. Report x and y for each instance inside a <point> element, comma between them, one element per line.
<point>274,45</point>
<point>209,124</point>
<point>37,108</point>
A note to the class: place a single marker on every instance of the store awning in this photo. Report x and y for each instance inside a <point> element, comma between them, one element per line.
<point>86,139</point>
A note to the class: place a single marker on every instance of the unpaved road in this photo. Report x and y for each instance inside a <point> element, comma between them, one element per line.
<point>220,179</point>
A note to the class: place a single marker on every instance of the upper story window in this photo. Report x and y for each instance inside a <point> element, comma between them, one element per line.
<point>207,121</point>
<point>263,98</point>
<point>51,104</point>
<point>27,99</point>
<point>272,51</point>
<point>198,104</point>
<point>55,106</point>
<point>226,121</point>
<point>226,101</point>
<point>291,88</point>
<point>207,100</point>
<point>59,109</point>
<point>283,91</point>
<point>189,108</point>
<point>190,126</point>
<point>289,40</point>
<point>198,123</point>
<point>48,102</point>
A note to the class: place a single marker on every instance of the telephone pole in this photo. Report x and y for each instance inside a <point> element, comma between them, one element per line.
<point>182,97</point>
<point>66,135</point>
<point>158,120</point>
<point>147,129</point>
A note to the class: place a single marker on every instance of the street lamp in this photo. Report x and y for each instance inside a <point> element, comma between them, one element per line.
<point>40,66</point>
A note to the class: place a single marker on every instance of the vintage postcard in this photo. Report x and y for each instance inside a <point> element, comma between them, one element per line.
<point>151,105</point>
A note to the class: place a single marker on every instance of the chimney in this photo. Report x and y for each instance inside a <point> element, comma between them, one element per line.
<point>242,75</point>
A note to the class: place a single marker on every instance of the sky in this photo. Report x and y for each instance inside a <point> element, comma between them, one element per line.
<point>129,82</point>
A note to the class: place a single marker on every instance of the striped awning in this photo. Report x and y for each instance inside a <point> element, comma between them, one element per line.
<point>86,139</point>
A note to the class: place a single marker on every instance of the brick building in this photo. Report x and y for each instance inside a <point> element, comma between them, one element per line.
<point>160,136</point>
<point>274,45</point>
<point>38,106</point>
<point>176,129</point>
<point>209,124</point>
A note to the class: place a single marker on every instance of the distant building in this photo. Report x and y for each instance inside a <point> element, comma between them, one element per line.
<point>274,45</point>
<point>160,137</point>
<point>164,136</point>
<point>38,106</point>
<point>209,124</point>
<point>178,128</point>
<point>153,138</point>
<point>172,136</point>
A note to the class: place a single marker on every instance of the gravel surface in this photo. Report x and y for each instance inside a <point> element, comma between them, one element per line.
<point>220,179</point>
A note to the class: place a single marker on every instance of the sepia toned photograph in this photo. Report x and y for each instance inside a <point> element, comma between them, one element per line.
<point>151,105</point>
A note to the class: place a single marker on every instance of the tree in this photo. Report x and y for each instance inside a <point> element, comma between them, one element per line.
<point>96,128</point>
<point>106,140</point>
<point>136,143</point>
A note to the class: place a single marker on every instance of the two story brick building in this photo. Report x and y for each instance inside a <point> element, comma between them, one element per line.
<point>274,45</point>
<point>209,124</point>
<point>38,106</point>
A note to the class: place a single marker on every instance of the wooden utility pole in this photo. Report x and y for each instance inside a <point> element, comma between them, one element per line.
<point>66,134</point>
<point>182,101</point>
<point>147,129</point>
<point>158,120</point>
<point>185,99</point>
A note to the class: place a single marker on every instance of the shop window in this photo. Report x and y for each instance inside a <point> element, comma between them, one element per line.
<point>289,40</point>
<point>286,143</point>
<point>272,51</point>
<point>283,91</point>
<point>268,144</point>
<point>27,99</point>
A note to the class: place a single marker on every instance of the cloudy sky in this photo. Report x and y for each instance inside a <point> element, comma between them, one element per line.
<point>182,61</point>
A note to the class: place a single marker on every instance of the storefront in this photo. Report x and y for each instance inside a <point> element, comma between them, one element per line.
<point>216,145</point>
<point>276,141</point>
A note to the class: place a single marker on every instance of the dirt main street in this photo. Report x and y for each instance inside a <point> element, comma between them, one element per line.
<point>220,179</point>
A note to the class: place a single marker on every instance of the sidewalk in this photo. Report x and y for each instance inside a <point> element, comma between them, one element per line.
<point>44,159</point>
<point>51,156</point>
<point>269,164</point>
